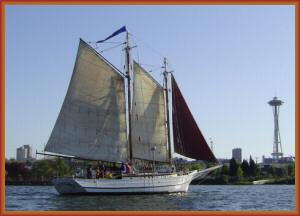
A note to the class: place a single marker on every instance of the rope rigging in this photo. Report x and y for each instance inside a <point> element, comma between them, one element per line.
<point>153,50</point>
<point>96,46</point>
<point>156,67</point>
<point>149,47</point>
<point>112,47</point>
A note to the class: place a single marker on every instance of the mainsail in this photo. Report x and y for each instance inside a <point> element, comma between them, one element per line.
<point>148,117</point>
<point>187,137</point>
<point>92,121</point>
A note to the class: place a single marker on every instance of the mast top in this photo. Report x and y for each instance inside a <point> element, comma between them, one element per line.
<point>165,67</point>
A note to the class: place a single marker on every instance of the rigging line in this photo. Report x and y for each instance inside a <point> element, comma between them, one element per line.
<point>154,70</point>
<point>151,77</point>
<point>114,42</point>
<point>209,173</point>
<point>137,51</point>
<point>152,65</point>
<point>93,42</point>
<point>203,179</point>
<point>111,48</point>
<point>148,46</point>
<point>102,57</point>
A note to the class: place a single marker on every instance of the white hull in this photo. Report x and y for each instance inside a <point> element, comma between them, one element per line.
<point>172,183</point>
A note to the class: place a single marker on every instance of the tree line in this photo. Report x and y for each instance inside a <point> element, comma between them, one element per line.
<point>248,172</point>
<point>40,170</point>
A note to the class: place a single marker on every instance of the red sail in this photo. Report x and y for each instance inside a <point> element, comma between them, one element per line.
<point>187,137</point>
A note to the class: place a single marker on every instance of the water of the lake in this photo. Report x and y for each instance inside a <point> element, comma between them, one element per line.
<point>198,198</point>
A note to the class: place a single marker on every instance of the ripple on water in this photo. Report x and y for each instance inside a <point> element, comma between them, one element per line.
<point>199,198</point>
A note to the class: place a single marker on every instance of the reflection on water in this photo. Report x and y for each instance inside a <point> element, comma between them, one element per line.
<point>199,198</point>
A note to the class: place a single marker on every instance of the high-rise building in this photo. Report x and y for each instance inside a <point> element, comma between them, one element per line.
<point>237,154</point>
<point>24,153</point>
<point>20,154</point>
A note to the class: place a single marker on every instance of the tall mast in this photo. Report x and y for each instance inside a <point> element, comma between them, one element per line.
<point>127,50</point>
<point>167,108</point>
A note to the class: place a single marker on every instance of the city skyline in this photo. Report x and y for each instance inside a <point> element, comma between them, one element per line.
<point>228,66</point>
<point>258,158</point>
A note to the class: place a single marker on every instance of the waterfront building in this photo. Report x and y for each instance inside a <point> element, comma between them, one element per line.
<point>179,161</point>
<point>267,160</point>
<point>24,153</point>
<point>237,154</point>
<point>281,160</point>
<point>224,161</point>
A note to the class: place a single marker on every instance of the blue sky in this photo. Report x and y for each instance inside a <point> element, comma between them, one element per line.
<point>229,61</point>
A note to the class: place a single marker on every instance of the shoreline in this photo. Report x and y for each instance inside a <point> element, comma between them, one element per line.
<point>194,182</point>
<point>214,181</point>
<point>28,183</point>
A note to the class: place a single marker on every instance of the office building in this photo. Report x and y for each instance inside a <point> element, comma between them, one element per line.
<point>24,153</point>
<point>237,154</point>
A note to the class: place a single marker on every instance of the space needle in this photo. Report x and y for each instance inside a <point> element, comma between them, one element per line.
<point>276,103</point>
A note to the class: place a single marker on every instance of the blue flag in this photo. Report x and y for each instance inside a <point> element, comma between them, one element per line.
<point>114,34</point>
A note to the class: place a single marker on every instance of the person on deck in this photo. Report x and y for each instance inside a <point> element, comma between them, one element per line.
<point>89,172</point>
<point>123,168</point>
<point>97,173</point>
<point>108,175</point>
<point>101,168</point>
<point>128,168</point>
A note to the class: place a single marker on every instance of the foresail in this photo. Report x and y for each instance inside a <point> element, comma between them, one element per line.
<point>92,121</point>
<point>187,137</point>
<point>148,117</point>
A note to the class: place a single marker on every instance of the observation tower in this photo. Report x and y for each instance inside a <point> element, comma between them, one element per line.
<point>276,103</point>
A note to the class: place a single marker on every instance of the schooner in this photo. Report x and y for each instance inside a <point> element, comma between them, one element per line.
<point>93,124</point>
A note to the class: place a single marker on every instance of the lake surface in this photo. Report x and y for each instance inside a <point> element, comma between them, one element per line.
<point>198,198</point>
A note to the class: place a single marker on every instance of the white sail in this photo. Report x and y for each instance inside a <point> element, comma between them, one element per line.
<point>92,121</point>
<point>148,117</point>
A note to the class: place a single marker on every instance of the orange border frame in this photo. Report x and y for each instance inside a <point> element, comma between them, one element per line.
<point>145,2</point>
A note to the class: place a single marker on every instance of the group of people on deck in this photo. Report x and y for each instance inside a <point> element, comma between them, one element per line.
<point>102,172</point>
<point>125,168</point>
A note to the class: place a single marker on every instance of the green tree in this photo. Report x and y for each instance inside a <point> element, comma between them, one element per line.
<point>48,169</point>
<point>252,168</point>
<point>283,172</point>
<point>291,169</point>
<point>239,172</point>
<point>272,171</point>
<point>225,170</point>
<point>61,168</point>
<point>233,167</point>
<point>195,166</point>
<point>223,179</point>
<point>215,172</point>
<point>44,169</point>
<point>245,168</point>
<point>257,170</point>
